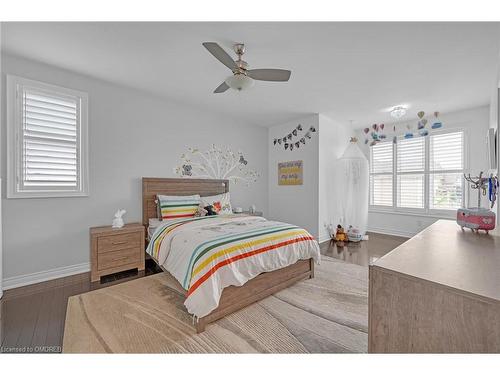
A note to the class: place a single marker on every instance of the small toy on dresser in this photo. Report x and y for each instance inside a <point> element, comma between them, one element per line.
<point>118,220</point>
<point>478,218</point>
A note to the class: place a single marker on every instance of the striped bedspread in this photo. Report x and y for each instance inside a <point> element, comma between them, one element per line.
<point>210,253</point>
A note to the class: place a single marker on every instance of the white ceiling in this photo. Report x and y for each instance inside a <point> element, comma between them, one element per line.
<point>345,70</point>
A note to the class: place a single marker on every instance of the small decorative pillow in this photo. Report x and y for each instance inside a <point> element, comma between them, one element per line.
<point>221,203</point>
<point>176,207</point>
<point>200,212</point>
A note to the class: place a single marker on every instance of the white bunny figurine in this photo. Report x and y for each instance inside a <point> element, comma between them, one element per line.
<point>118,220</point>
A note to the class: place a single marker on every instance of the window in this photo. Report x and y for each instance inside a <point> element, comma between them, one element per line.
<point>381,169</point>
<point>422,175</point>
<point>47,140</point>
<point>410,173</point>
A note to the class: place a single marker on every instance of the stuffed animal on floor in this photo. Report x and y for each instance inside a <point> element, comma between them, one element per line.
<point>340,236</point>
<point>210,210</point>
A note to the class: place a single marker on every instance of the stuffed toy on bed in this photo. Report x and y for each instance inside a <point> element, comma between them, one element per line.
<point>210,210</point>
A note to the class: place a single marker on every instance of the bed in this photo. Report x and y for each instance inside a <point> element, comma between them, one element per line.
<point>229,278</point>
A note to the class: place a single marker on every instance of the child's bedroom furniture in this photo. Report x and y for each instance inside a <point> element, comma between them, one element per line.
<point>233,298</point>
<point>116,249</point>
<point>439,292</point>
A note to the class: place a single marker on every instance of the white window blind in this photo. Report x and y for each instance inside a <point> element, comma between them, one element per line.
<point>446,164</point>
<point>381,180</point>
<point>410,173</point>
<point>49,125</point>
<point>50,141</point>
<point>426,175</point>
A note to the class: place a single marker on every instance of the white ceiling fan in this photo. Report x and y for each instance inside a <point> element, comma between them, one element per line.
<point>242,77</point>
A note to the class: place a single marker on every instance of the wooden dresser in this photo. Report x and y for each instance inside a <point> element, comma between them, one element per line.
<point>116,249</point>
<point>439,292</point>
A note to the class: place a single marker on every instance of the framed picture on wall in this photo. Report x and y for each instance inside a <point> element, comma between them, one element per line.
<point>290,172</point>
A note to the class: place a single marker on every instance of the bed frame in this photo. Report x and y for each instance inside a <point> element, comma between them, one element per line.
<point>233,298</point>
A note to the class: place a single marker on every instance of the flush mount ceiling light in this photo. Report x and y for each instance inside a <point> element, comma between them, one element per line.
<point>239,82</point>
<point>398,112</point>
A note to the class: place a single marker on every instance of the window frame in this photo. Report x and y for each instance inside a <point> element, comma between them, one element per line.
<point>15,85</point>
<point>426,211</point>
<point>380,207</point>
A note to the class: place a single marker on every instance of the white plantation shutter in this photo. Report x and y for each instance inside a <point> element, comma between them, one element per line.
<point>410,173</point>
<point>446,165</point>
<point>426,175</point>
<point>446,152</point>
<point>381,158</point>
<point>50,140</point>
<point>50,129</point>
<point>381,180</point>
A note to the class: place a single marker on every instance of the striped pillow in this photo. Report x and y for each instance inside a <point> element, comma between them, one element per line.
<point>175,207</point>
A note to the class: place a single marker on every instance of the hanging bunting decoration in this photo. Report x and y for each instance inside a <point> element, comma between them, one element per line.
<point>288,142</point>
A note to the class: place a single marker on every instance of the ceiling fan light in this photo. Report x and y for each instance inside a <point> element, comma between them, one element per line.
<point>239,82</point>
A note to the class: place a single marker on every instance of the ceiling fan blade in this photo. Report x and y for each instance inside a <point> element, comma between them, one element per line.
<point>222,88</point>
<point>220,54</point>
<point>276,75</point>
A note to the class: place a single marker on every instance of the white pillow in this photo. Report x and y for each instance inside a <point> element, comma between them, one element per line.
<point>221,203</point>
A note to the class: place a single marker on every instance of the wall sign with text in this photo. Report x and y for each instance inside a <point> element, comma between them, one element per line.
<point>290,172</point>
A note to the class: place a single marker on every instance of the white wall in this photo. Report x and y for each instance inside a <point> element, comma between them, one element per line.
<point>333,140</point>
<point>475,122</point>
<point>132,135</point>
<point>295,204</point>
<point>315,203</point>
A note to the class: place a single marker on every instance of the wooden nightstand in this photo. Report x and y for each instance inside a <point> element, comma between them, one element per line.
<point>116,249</point>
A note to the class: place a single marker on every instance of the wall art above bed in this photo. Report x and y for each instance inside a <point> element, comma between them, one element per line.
<point>216,163</point>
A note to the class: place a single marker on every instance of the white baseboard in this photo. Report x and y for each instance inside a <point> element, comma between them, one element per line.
<point>391,232</point>
<point>38,277</point>
<point>324,238</point>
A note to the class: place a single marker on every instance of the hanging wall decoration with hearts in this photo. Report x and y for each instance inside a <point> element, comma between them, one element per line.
<point>294,139</point>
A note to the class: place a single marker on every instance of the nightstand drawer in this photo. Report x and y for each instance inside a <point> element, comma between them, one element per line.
<point>118,242</point>
<point>119,258</point>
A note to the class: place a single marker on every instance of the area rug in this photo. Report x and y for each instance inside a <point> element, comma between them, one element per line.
<point>327,314</point>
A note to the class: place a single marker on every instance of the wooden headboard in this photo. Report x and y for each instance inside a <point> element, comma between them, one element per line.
<point>176,186</point>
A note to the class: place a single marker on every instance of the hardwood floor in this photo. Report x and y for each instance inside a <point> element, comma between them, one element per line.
<point>32,317</point>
